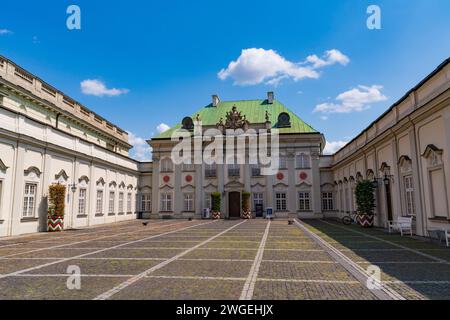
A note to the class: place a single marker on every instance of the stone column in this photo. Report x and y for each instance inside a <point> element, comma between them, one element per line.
<point>291,196</point>
<point>45,184</point>
<point>315,192</point>
<point>198,190</point>
<point>155,187</point>
<point>220,172</point>
<point>177,194</point>
<point>17,203</point>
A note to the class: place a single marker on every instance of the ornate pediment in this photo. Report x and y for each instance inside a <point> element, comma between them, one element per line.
<point>433,154</point>
<point>83,178</point>
<point>101,181</point>
<point>3,167</point>
<point>122,185</point>
<point>404,162</point>
<point>62,175</point>
<point>32,170</point>
<point>234,120</point>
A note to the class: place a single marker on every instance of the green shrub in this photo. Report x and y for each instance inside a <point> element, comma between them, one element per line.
<point>215,201</point>
<point>56,199</point>
<point>246,201</point>
<point>365,199</point>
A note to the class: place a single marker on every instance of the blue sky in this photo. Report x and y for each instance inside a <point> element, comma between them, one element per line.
<point>163,58</point>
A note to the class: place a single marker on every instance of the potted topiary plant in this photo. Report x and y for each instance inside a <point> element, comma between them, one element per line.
<point>365,202</point>
<point>246,212</point>
<point>56,206</point>
<point>215,204</point>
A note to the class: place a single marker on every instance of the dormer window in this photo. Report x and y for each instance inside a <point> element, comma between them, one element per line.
<point>284,120</point>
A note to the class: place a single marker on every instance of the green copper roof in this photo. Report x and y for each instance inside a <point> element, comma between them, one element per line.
<point>254,110</point>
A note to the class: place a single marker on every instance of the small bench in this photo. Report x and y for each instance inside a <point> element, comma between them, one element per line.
<point>402,224</point>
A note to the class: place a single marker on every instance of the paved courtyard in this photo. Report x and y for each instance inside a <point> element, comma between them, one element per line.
<point>256,259</point>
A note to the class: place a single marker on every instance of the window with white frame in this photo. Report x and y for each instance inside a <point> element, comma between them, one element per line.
<point>210,170</point>
<point>256,170</point>
<point>112,201</point>
<point>188,202</point>
<point>304,201</point>
<point>129,202</point>
<point>146,202</point>
<point>280,201</point>
<point>166,165</point>
<point>29,200</point>
<point>327,201</point>
<point>82,201</point>
<point>258,199</point>
<point>302,161</point>
<point>188,167</point>
<point>234,170</point>
<point>208,200</point>
<point>120,202</point>
<point>99,202</point>
<point>283,162</point>
<point>409,195</point>
<point>166,202</point>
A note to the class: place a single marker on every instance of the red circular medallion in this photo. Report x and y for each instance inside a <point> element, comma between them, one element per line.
<point>188,178</point>
<point>166,179</point>
<point>280,176</point>
<point>303,175</point>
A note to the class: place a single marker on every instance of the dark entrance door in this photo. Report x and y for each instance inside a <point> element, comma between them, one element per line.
<point>234,199</point>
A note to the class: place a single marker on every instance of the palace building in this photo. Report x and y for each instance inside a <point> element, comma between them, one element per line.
<point>46,137</point>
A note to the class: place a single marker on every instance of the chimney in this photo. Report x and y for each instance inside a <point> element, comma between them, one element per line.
<point>270,97</point>
<point>215,100</point>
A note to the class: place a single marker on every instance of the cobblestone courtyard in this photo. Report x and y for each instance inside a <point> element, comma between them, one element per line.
<point>254,259</point>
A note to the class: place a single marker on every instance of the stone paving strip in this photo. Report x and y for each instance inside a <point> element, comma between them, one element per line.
<point>69,235</point>
<point>89,240</point>
<point>108,294</point>
<point>392,243</point>
<point>249,286</point>
<point>383,292</point>
<point>411,270</point>
<point>95,252</point>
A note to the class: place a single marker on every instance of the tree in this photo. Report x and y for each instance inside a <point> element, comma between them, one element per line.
<point>365,199</point>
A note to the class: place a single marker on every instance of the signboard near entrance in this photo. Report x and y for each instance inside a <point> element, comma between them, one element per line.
<point>269,213</point>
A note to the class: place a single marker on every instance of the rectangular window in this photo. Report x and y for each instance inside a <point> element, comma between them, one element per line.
<point>327,201</point>
<point>302,161</point>
<point>99,202</point>
<point>234,170</point>
<point>146,202</point>
<point>166,202</point>
<point>256,170</point>
<point>210,170</point>
<point>283,162</point>
<point>409,195</point>
<point>129,202</point>
<point>280,201</point>
<point>82,201</point>
<point>258,199</point>
<point>112,200</point>
<point>120,202</point>
<point>188,167</point>
<point>208,200</point>
<point>188,202</point>
<point>304,203</point>
<point>29,200</point>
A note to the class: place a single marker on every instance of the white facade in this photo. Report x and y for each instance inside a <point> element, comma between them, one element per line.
<point>41,144</point>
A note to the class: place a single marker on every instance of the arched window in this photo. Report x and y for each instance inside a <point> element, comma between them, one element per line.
<point>166,165</point>
<point>302,161</point>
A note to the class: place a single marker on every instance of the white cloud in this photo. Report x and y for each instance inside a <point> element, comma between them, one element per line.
<point>5,32</point>
<point>333,146</point>
<point>324,118</point>
<point>356,99</point>
<point>141,150</point>
<point>162,127</point>
<point>98,88</point>
<point>255,66</point>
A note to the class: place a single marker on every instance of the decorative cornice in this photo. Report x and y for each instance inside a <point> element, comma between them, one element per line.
<point>431,148</point>
<point>33,169</point>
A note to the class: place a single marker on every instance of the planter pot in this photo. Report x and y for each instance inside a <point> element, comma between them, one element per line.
<point>215,215</point>
<point>365,221</point>
<point>55,223</point>
<point>247,215</point>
